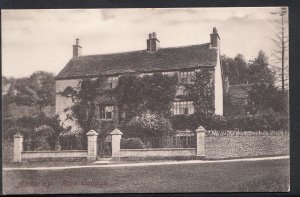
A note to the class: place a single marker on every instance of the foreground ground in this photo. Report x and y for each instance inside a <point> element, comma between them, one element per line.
<point>239,176</point>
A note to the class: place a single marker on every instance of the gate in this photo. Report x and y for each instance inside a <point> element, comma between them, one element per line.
<point>104,147</point>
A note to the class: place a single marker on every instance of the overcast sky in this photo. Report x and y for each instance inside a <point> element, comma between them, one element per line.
<point>35,40</point>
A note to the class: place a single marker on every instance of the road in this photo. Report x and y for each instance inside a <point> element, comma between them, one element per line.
<point>239,176</point>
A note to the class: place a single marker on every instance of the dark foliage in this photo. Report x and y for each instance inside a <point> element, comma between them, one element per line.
<point>264,96</point>
<point>132,143</point>
<point>30,124</point>
<point>266,121</point>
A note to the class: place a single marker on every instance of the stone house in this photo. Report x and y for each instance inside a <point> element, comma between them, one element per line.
<point>184,61</point>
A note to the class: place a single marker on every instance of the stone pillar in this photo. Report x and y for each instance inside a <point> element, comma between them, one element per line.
<point>18,147</point>
<point>115,143</point>
<point>92,145</point>
<point>200,134</point>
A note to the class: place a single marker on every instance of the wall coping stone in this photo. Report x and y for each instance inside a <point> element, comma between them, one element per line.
<point>92,133</point>
<point>157,149</point>
<point>116,132</point>
<point>200,129</point>
<point>18,135</point>
<point>64,151</point>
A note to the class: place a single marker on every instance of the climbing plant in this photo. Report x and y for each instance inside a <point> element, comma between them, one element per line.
<point>133,96</point>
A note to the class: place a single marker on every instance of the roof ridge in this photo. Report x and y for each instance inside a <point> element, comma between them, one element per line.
<point>127,52</point>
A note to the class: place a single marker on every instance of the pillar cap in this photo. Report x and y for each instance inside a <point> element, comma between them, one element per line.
<point>18,135</point>
<point>200,129</point>
<point>92,133</point>
<point>116,132</point>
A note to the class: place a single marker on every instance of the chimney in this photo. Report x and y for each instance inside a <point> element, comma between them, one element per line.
<point>152,42</point>
<point>214,38</point>
<point>76,49</point>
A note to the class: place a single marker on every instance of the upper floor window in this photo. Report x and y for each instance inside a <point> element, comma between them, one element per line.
<point>186,77</point>
<point>183,107</point>
<point>106,112</point>
<point>112,82</point>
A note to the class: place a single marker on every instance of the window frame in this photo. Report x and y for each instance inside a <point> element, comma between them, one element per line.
<point>104,111</point>
<point>183,108</point>
<point>113,81</point>
<point>185,77</point>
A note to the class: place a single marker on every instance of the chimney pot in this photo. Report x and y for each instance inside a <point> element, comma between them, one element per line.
<point>153,35</point>
<point>215,31</point>
<point>76,49</point>
<point>152,42</point>
<point>214,38</point>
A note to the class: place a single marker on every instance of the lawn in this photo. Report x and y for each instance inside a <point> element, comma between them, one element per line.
<point>242,176</point>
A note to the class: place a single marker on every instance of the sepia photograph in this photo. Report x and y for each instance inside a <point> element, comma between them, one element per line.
<point>145,100</point>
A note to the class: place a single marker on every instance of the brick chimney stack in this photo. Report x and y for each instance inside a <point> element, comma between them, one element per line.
<point>214,38</point>
<point>152,42</point>
<point>76,49</point>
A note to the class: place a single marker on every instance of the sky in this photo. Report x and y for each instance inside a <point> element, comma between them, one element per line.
<point>34,40</point>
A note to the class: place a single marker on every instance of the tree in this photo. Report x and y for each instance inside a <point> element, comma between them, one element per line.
<point>281,42</point>
<point>43,84</point>
<point>201,93</point>
<point>235,68</point>
<point>259,71</point>
<point>264,97</point>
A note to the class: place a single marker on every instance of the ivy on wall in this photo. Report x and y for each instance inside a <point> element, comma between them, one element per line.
<point>136,95</point>
<point>133,96</point>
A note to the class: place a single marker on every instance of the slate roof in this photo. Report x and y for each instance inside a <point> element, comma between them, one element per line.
<point>164,59</point>
<point>239,94</point>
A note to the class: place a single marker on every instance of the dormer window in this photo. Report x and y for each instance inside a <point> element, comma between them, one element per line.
<point>112,82</point>
<point>186,77</point>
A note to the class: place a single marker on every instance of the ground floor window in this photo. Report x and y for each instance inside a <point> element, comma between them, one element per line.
<point>106,112</point>
<point>183,107</point>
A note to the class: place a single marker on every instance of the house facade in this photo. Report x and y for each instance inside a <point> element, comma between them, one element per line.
<point>184,61</point>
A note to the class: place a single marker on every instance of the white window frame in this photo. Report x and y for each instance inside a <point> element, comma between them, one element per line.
<point>104,111</point>
<point>185,77</point>
<point>183,107</point>
<point>112,82</point>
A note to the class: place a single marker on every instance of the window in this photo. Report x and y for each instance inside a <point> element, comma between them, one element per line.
<point>106,112</point>
<point>186,77</point>
<point>183,107</point>
<point>112,82</point>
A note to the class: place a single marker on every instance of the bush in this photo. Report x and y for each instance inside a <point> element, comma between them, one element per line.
<point>41,137</point>
<point>132,143</point>
<point>10,132</point>
<point>263,121</point>
<point>149,124</point>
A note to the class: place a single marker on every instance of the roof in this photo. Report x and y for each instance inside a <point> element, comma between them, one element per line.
<point>164,59</point>
<point>238,94</point>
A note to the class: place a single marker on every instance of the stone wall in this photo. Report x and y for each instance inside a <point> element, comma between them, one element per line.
<point>158,152</point>
<point>7,151</point>
<point>40,155</point>
<point>246,146</point>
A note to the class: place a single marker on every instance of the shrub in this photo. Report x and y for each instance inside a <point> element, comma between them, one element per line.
<point>41,137</point>
<point>263,121</point>
<point>132,143</point>
<point>148,125</point>
<point>10,132</point>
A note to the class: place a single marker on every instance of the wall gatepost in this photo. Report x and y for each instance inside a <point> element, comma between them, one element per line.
<point>116,143</point>
<point>18,147</point>
<point>200,134</point>
<point>92,145</point>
